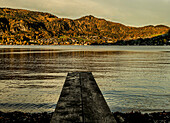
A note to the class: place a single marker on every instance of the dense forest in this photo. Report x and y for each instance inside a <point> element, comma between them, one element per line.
<point>19,26</point>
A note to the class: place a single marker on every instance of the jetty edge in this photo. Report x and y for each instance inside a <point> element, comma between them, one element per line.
<point>81,101</point>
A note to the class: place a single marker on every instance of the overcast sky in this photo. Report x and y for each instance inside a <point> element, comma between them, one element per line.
<point>128,12</point>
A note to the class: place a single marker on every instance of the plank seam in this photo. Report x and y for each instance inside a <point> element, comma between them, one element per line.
<point>83,117</point>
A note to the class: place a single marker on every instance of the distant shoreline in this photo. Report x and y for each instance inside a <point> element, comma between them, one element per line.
<point>161,40</point>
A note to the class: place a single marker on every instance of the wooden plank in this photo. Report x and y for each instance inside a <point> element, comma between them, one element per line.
<point>81,101</point>
<point>69,106</point>
<point>95,108</point>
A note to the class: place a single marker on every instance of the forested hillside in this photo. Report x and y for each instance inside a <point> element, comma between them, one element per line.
<point>22,26</point>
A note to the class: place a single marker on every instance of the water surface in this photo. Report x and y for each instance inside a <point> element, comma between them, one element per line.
<point>130,77</point>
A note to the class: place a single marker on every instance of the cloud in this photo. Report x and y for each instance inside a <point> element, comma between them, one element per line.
<point>129,12</point>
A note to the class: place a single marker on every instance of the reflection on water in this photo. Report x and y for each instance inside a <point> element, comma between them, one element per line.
<point>31,79</point>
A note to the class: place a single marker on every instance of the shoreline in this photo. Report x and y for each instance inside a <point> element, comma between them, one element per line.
<point>44,117</point>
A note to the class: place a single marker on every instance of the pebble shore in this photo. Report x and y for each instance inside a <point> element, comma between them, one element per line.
<point>132,117</point>
<point>21,117</point>
<point>138,117</point>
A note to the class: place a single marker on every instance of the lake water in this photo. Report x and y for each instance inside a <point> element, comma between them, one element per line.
<point>130,77</point>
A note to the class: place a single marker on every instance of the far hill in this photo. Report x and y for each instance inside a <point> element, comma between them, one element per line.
<point>24,25</point>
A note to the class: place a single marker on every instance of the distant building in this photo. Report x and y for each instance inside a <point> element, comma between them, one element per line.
<point>109,41</point>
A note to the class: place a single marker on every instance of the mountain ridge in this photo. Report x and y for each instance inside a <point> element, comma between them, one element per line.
<point>32,25</point>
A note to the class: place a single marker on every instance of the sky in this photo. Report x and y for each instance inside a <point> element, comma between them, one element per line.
<point>128,12</point>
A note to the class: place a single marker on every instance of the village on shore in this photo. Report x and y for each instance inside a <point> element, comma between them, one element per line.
<point>83,40</point>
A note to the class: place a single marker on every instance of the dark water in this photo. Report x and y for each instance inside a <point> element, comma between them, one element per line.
<point>131,78</point>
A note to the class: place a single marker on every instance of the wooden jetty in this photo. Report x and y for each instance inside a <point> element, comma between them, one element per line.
<point>81,101</point>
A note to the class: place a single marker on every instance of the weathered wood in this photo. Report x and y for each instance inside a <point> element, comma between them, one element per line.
<point>81,101</point>
<point>69,106</point>
<point>95,108</point>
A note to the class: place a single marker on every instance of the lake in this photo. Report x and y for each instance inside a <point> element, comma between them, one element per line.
<point>130,77</point>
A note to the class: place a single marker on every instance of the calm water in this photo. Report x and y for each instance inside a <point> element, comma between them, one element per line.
<point>131,78</point>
